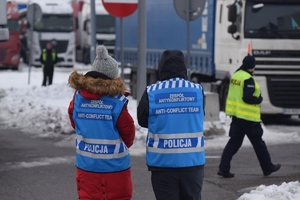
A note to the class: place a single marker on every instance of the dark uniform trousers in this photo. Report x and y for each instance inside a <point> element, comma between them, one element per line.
<point>48,75</point>
<point>238,129</point>
<point>166,183</point>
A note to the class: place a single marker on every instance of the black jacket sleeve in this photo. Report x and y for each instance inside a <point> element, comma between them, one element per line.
<point>41,59</point>
<point>204,101</point>
<point>143,110</point>
<point>249,88</point>
<point>56,58</point>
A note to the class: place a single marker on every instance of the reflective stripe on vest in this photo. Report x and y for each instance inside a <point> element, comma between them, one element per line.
<point>175,143</point>
<point>45,56</point>
<point>235,106</point>
<point>97,148</point>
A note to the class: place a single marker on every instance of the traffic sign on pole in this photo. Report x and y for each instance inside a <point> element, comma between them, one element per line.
<point>120,8</point>
<point>194,11</point>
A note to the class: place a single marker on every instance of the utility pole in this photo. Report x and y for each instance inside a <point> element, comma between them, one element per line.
<point>142,40</point>
<point>93,32</point>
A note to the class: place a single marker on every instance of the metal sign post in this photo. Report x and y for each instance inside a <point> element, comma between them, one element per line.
<point>121,45</point>
<point>142,45</point>
<point>120,8</point>
<point>189,10</point>
<point>34,15</point>
<point>93,32</point>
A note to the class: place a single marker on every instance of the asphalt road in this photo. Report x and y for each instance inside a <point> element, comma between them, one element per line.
<point>37,169</point>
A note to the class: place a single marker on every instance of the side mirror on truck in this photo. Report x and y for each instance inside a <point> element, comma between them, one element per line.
<point>86,26</point>
<point>232,13</point>
<point>232,29</point>
<point>232,17</point>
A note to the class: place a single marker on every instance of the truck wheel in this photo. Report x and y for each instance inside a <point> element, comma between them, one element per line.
<point>14,67</point>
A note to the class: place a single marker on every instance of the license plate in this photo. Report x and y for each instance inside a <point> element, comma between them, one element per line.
<point>291,111</point>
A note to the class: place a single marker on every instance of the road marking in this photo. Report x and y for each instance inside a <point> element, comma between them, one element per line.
<point>213,157</point>
<point>40,162</point>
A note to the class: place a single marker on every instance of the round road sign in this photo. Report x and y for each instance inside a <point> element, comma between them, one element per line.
<point>34,13</point>
<point>196,8</point>
<point>120,8</point>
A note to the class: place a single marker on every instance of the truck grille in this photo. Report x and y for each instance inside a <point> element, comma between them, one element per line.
<point>110,44</point>
<point>60,46</point>
<point>3,53</point>
<point>106,42</point>
<point>284,91</point>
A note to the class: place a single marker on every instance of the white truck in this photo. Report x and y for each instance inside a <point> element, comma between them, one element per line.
<point>105,28</point>
<point>219,41</point>
<point>57,27</point>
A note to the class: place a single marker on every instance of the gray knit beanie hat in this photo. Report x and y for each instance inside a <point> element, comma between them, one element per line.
<point>105,64</point>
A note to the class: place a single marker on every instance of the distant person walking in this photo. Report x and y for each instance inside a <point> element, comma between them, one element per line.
<point>243,104</point>
<point>173,111</point>
<point>48,60</point>
<point>105,130</point>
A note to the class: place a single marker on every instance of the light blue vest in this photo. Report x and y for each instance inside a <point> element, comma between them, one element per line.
<point>99,147</point>
<point>175,124</point>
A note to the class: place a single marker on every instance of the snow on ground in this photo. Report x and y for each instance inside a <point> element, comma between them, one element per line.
<point>42,112</point>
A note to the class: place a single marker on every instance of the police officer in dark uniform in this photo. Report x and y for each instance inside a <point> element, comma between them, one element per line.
<point>48,59</point>
<point>243,104</point>
<point>173,111</point>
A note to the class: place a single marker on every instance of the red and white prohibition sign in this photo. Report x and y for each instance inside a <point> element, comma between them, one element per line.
<point>120,8</point>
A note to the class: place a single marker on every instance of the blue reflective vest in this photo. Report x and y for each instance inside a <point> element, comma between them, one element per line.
<point>175,124</point>
<point>99,147</point>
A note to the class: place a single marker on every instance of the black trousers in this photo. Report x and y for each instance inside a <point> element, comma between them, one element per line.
<point>238,129</point>
<point>177,185</point>
<point>48,76</point>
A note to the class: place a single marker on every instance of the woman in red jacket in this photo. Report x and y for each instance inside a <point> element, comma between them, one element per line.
<point>105,130</point>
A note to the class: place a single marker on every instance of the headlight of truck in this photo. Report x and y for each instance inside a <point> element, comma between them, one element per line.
<point>15,58</point>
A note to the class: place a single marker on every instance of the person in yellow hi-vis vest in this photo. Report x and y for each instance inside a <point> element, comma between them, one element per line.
<point>243,104</point>
<point>48,60</point>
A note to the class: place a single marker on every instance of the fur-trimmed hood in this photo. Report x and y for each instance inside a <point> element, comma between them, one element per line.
<point>97,85</point>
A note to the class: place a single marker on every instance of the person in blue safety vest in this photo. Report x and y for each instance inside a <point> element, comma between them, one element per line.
<point>173,111</point>
<point>105,130</point>
<point>48,60</point>
<point>243,105</point>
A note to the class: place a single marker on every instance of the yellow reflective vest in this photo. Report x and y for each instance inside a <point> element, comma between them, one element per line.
<point>45,56</point>
<point>235,106</point>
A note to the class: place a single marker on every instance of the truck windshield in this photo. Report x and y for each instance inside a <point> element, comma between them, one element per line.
<point>13,25</point>
<point>105,24</point>
<point>272,21</point>
<point>55,23</point>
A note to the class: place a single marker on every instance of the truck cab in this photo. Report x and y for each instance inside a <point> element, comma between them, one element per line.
<point>105,29</point>
<point>56,26</point>
<point>272,30</point>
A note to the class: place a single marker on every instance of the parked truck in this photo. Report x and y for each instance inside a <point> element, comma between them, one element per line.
<point>105,28</point>
<point>219,40</point>
<point>10,49</point>
<point>57,27</point>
